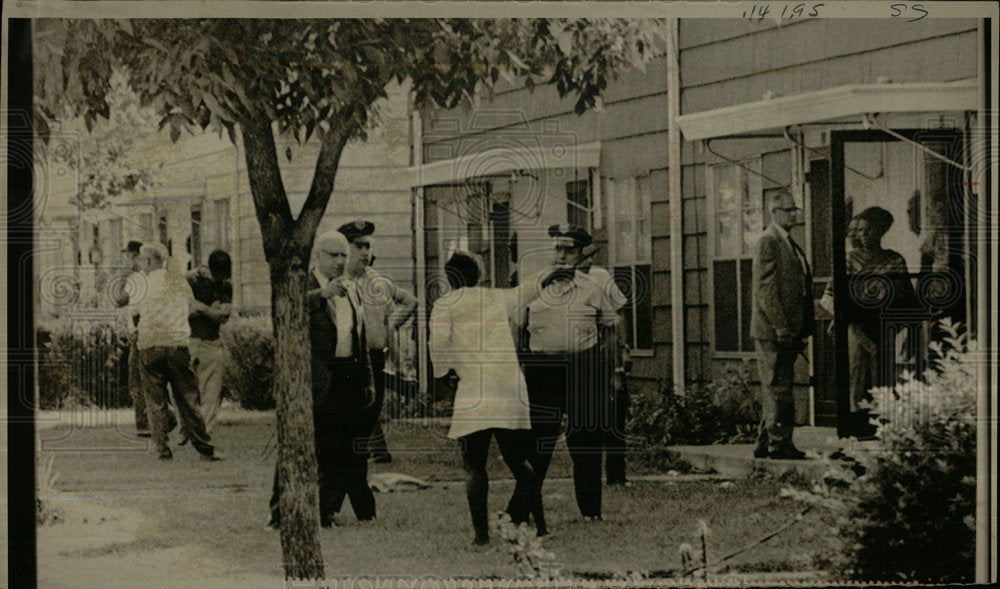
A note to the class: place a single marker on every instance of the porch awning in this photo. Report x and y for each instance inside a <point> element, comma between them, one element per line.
<point>505,160</point>
<point>828,105</point>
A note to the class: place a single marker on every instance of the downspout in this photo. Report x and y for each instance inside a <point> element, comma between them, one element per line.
<point>986,525</point>
<point>420,257</point>
<point>676,206</point>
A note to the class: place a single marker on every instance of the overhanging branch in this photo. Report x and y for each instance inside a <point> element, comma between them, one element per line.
<point>268,190</point>
<point>321,188</point>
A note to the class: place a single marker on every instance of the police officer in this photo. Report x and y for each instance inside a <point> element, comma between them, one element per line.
<point>386,308</point>
<point>568,365</point>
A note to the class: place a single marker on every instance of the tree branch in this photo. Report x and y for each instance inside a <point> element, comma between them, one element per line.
<point>321,188</point>
<point>269,199</point>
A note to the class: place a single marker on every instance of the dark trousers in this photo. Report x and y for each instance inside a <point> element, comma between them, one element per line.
<point>527,497</point>
<point>172,364</point>
<point>575,384</point>
<point>776,367</point>
<point>615,441</point>
<point>135,387</point>
<point>342,423</point>
<point>376,443</point>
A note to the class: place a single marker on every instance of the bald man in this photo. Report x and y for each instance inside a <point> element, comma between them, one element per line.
<point>342,385</point>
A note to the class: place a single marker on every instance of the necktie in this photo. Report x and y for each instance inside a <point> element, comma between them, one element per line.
<point>355,335</point>
<point>802,262</point>
<point>799,254</point>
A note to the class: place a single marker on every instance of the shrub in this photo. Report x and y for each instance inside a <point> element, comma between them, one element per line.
<point>83,364</point>
<point>249,377</point>
<point>724,411</point>
<point>905,511</point>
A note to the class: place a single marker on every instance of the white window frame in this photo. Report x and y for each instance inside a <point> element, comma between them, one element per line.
<point>613,194</point>
<point>755,163</point>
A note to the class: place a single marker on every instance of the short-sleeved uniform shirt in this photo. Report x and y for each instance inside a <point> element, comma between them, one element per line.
<point>567,315</point>
<point>378,295</point>
<point>207,290</point>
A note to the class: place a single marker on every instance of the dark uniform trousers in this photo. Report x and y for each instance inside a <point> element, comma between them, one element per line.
<point>342,423</point>
<point>575,384</point>
<point>376,443</point>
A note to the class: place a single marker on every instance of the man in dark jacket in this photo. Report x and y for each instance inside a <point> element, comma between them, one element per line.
<point>781,321</point>
<point>342,386</point>
<point>213,297</point>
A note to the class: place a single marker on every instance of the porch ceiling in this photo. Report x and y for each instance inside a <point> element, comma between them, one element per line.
<point>829,105</point>
<point>494,162</point>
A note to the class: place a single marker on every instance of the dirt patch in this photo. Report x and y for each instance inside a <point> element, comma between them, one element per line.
<point>88,543</point>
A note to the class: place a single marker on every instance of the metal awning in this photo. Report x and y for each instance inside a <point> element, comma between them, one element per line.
<point>493,162</point>
<point>830,104</point>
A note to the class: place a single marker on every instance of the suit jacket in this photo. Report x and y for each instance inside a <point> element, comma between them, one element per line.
<point>323,344</point>
<point>782,291</point>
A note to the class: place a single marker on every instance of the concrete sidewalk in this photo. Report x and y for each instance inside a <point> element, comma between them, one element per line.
<point>736,460</point>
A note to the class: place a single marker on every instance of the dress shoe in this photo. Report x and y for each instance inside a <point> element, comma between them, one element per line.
<point>166,455</point>
<point>213,457</point>
<point>592,518</point>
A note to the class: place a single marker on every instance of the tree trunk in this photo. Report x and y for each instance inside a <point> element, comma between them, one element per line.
<point>297,473</point>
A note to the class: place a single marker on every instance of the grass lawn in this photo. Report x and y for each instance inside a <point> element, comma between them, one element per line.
<point>187,520</point>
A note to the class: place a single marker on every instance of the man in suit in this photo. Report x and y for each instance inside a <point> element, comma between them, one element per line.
<point>781,321</point>
<point>342,386</point>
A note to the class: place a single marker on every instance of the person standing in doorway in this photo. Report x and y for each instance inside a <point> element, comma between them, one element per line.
<point>213,297</point>
<point>386,308</point>
<point>781,321</point>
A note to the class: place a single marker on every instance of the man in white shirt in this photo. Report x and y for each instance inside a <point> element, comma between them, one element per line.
<point>162,341</point>
<point>569,366</point>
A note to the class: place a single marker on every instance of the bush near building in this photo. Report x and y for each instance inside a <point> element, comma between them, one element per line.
<point>82,365</point>
<point>249,377</point>
<point>905,511</point>
<point>721,412</point>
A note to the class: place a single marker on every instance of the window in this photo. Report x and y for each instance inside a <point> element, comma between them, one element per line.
<point>146,227</point>
<point>195,239</point>
<point>631,246</point>
<point>737,197</point>
<point>161,227</point>
<point>222,224</point>
<point>115,243</point>
<point>578,203</point>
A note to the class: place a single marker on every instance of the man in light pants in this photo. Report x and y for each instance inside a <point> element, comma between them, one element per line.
<point>213,297</point>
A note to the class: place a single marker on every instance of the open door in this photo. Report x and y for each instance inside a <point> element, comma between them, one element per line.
<point>905,174</point>
<point>824,380</point>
